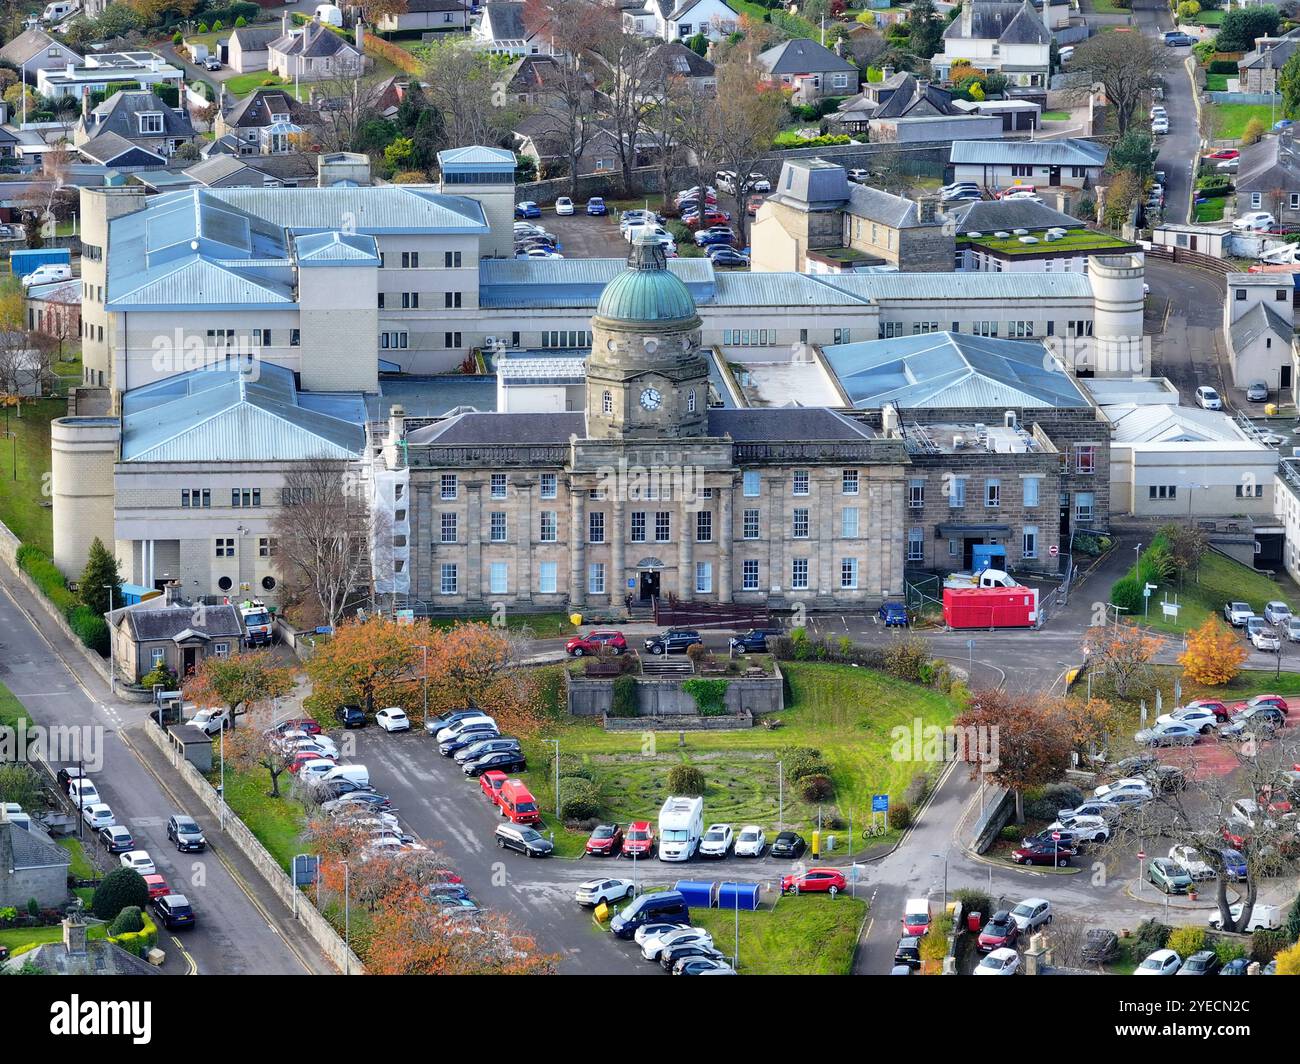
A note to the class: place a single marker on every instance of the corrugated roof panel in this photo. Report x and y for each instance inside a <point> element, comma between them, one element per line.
<point>1068,152</point>
<point>395,208</point>
<point>742,289</point>
<point>960,285</point>
<point>201,281</point>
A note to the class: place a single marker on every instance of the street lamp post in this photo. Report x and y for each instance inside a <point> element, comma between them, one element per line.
<point>425,672</point>
<point>13,437</point>
<point>112,669</point>
<point>556,744</point>
<point>944,855</point>
<point>347,925</point>
<point>780,795</point>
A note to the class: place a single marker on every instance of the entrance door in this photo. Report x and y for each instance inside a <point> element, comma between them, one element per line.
<point>1284,381</point>
<point>649,585</point>
<point>1054,178</point>
<point>189,656</point>
<point>968,552</point>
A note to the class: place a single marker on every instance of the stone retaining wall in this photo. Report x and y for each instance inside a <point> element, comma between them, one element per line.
<point>751,695</point>
<point>731,722</point>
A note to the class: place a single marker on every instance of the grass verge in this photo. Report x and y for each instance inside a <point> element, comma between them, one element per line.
<point>801,936</point>
<point>1230,119</point>
<point>24,506</point>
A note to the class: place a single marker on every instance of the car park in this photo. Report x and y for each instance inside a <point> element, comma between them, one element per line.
<point>506,761</point>
<point>654,943</point>
<point>116,838</point>
<point>186,834</point>
<point>603,891</point>
<point>313,769</point>
<point>138,861</point>
<point>717,841</point>
<point>174,911</point>
<point>640,840</point>
<point>1161,962</point>
<point>454,745</point>
<point>754,640</point>
<point>606,840</point>
<point>999,962</point>
<point>477,722</point>
<point>338,788</point>
<point>1208,399</point>
<point>1258,701</point>
<point>916,916</point>
<point>673,641</point>
<point>665,906</point>
<point>483,747</point>
<point>595,642</point>
<point>302,758</point>
<point>350,716</point>
<point>751,842</point>
<point>1032,913</point>
<point>97,816</point>
<point>1257,722</point>
<point>1173,733</point>
<point>1000,931</point>
<point>306,725</point>
<point>436,724</point>
<point>815,881</point>
<point>1163,873</point>
<point>1198,717</point>
<point>564,206</point>
<point>789,844</point>
<point>393,719</point>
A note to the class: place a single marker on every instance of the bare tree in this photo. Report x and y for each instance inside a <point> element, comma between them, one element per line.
<point>631,79</point>
<point>1126,65</point>
<point>469,88</point>
<point>749,115</point>
<point>344,105</point>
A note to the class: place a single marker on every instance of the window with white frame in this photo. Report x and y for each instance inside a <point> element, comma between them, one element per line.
<point>1029,542</point>
<point>596,527</point>
<point>887,330</point>
<point>843,336</point>
<point>548,529</point>
<point>1085,458</point>
<point>848,573</point>
<point>915,544</point>
<point>607,402</point>
<point>956,492</point>
<point>449,583</point>
<point>221,650</point>
<point>749,524</point>
<point>548,484</point>
<point>596,578</point>
<point>497,526</point>
<point>1084,501</point>
<point>663,526</point>
<point>704,577</point>
<point>638,526</point>
<point>849,482</point>
<point>449,485</point>
<point>916,493</point>
<point>749,574</point>
<point>992,493</point>
<point>546,574</point>
<point>225,547</point>
<point>703,526</point>
<point>1020,329</point>
<point>498,485</point>
<point>800,528</point>
<point>849,522</point>
<point>801,483</point>
<point>497,578</point>
<point>448,526</point>
<point>156,656</point>
<point>799,574</point>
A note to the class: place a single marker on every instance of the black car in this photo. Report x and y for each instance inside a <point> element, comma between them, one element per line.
<point>502,761</point>
<point>670,956</point>
<point>788,844</point>
<point>117,839</point>
<point>351,716</point>
<point>368,801</point>
<point>468,737</point>
<point>673,641</point>
<point>482,747</point>
<point>337,788</point>
<point>1100,946</point>
<point>1203,962</point>
<point>908,952</point>
<point>187,835</point>
<point>174,911</point>
<point>1131,766</point>
<point>1067,844</point>
<point>528,841</point>
<point>755,640</point>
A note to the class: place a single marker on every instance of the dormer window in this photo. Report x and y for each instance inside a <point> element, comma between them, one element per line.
<point>151,122</point>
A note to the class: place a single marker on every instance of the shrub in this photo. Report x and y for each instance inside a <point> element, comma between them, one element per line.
<point>241,22</point>
<point>975,901</point>
<point>1150,936</point>
<point>570,765</point>
<point>816,788</point>
<point>37,565</point>
<point>203,27</point>
<point>1046,802</point>
<point>139,942</point>
<point>33,908</point>
<point>709,695</point>
<point>1127,594</point>
<point>916,790</point>
<point>900,816</point>
<point>1222,66</point>
<point>120,888</point>
<point>178,38</point>
<point>801,761</point>
<point>1187,940</point>
<point>1265,945</point>
<point>686,779</point>
<point>623,702</point>
<point>129,919</point>
<point>90,628</point>
<point>217,27</point>
<point>1011,833</point>
<point>906,658</point>
<point>578,798</point>
<point>1253,132</point>
<point>1227,950</point>
<point>19,783</point>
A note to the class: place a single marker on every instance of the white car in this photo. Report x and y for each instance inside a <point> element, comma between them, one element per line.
<point>1161,962</point>
<point>678,936</point>
<point>717,841</point>
<point>1265,639</point>
<point>140,861</point>
<point>654,927</point>
<point>364,818</point>
<point>1159,126</point>
<point>51,271</point>
<point>316,769</point>
<point>83,792</point>
<point>211,720</point>
<point>98,816</point>
<point>858,176</point>
<point>1003,961</point>
<point>1085,828</point>
<point>1238,613</point>
<point>391,845</point>
<point>1128,785</point>
<point>1277,613</point>
<point>1189,860</point>
<point>751,842</point>
<point>1032,913</point>
<point>757,183</point>
<point>1196,716</point>
<point>595,891</point>
<point>1158,111</point>
<point>481,721</point>
<point>539,253</point>
<point>1253,221</point>
<point>321,745</point>
<point>564,205</point>
<point>393,719</point>
<point>636,217</point>
<point>1207,398</point>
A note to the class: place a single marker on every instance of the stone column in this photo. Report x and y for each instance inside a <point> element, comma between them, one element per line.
<point>616,577</point>
<point>685,554</point>
<point>577,543</point>
<point>525,579</point>
<point>727,490</point>
<point>474,540</point>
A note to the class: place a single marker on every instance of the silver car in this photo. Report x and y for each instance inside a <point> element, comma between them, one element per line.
<point>1257,392</point>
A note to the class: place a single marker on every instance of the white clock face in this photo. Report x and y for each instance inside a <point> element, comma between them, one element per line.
<point>651,399</point>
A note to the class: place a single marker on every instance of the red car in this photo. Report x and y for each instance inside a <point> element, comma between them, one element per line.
<point>303,756</point>
<point>300,724</point>
<point>1262,700</point>
<point>594,642</point>
<point>605,841</point>
<point>751,208</point>
<point>1001,931</point>
<point>814,881</point>
<point>1224,153</point>
<point>1044,853</point>
<point>640,840</point>
<point>1219,709</point>
<point>711,217</point>
<point>158,887</point>
<point>490,783</point>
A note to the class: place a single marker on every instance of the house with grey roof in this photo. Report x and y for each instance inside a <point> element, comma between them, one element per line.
<point>248,49</point>
<point>1268,178</point>
<point>34,50</point>
<point>76,954</point>
<point>138,117</point>
<point>32,865</point>
<point>1068,163</point>
<point>1258,69</point>
<point>265,122</point>
<point>173,632</point>
<point>313,52</point>
<point>441,16</point>
<point>1001,37</point>
<point>678,20</point>
<point>501,30</point>
<point>816,220</point>
<point>811,70</point>
<point>675,63</point>
<point>1259,323</point>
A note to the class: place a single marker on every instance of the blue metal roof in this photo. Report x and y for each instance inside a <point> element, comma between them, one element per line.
<point>577,283</point>
<point>1070,151</point>
<point>337,249</point>
<point>951,370</point>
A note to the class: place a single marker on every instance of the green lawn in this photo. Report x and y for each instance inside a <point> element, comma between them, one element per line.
<point>11,710</point>
<point>1211,210</point>
<point>243,84</point>
<point>1230,119</point>
<point>1216,82</point>
<point>1205,592</point>
<point>802,936</point>
<point>1109,7</point>
<point>1210,18</point>
<point>81,866</point>
<point>540,625</point>
<point>24,504</point>
<point>21,939</point>
<point>844,712</point>
<point>1055,116</point>
<point>1074,240</point>
<point>277,822</point>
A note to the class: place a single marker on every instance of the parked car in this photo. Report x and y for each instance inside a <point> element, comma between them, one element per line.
<point>1265,639</point>
<point>1128,785</point>
<point>97,816</point>
<point>1000,931</point>
<point>1292,629</point>
<point>1169,877</point>
<point>717,841</point>
<point>506,761</point>
<point>597,891</point>
<point>664,906</point>
<point>606,840</point>
<point>1224,153</point>
<point>157,886</point>
<point>1256,392</point>
<point>1239,966</point>
<point>1173,733</point>
<point>527,209</point>
<point>1189,860</point>
<point>721,255</point>
<point>1200,717</point>
<point>754,640</point>
<point>67,774</point>
<point>814,881</point>
<point>718,234</point>
<point>673,641</point>
<point>858,176</point>
<point>83,792</point>
<point>702,966</point>
<point>1208,399</point>
<point>564,206</point>
<point>671,935</point>
<point>138,861</point>
<point>656,928</point>
<point>1276,701</point>
<point>1253,221</point>
<point>789,844</point>
<point>212,63</point>
<point>490,784</point>
<point>916,916</point>
<point>751,842</point>
<point>1159,126</point>
<point>1161,962</point>
<point>186,834</point>
<point>595,642</point>
<point>1083,829</point>
<point>639,842</point>
<point>1234,864</point>
<point>116,838</point>
<point>478,722</point>
<point>1262,918</point>
<point>1032,913</point>
<point>50,271</point>
<point>454,744</point>
<point>1203,962</point>
<point>525,840</point>
<point>999,962</point>
<point>1067,843</point>
<point>908,952</point>
<point>1257,722</point>
<point>1175,39</point>
<point>671,956</point>
<point>1044,853</point>
<point>483,747</point>
<point>393,719</point>
<point>174,911</point>
<point>1214,705</point>
<point>892,614</point>
<point>350,716</point>
<point>436,724</point>
<point>757,183</point>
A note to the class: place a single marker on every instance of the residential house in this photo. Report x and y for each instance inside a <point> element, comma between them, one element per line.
<point>54,309</point>
<point>676,20</point>
<point>97,72</point>
<point>138,117</point>
<point>265,122</point>
<point>249,46</point>
<point>314,52</point>
<point>34,50</point>
<point>1000,164</point>
<point>1258,321</point>
<point>998,37</point>
<point>438,15</point>
<point>675,62</point>
<point>536,80</point>
<point>501,30</point>
<point>811,70</point>
<point>1258,69</point>
<point>8,144</point>
<point>173,632</point>
<point>545,136</point>
<point>1268,178</point>
<point>77,955</point>
<point>32,865</point>
<point>290,170</point>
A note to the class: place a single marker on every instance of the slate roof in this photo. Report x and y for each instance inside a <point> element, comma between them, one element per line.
<point>1071,151</point>
<point>802,56</point>
<point>22,848</point>
<point>480,428</point>
<point>946,370</point>
<point>1001,22</point>
<point>109,148</point>
<point>119,114</point>
<point>255,38</point>
<point>313,41</point>
<point>150,622</point>
<point>506,21</point>
<point>30,43</point>
<point>413,6</point>
<point>910,95</point>
<point>258,107</point>
<point>1273,54</point>
<point>680,60</point>
<point>876,205</point>
<point>1255,323</point>
<point>535,72</point>
<point>989,216</point>
<point>1271,163</point>
<point>101,958</point>
<point>804,423</point>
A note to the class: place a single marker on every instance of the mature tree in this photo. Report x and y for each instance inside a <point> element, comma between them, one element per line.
<point>239,681</point>
<point>322,533</point>
<point>373,663</point>
<point>630,79</point>
<point>26,358</point>
<point>468,87</point>
<point>343,106</point>
<point>1242,25</point>
<point>1187,546</point>
<point>1288,84</point>
<point>1034,739</point>
<point>258,747</point>
<point>1126,65</point>
<point>1091,722</point>
<point>101,582</point>
<point>373,10</point>
<point>926,30</point>
<point>1134,152</point>
<point>478,665</point>
<point>1214,654</point>
<point>1121,654</point>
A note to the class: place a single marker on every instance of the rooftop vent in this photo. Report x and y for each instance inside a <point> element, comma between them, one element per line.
<point>1029,240</point>
<point>1001,234</point>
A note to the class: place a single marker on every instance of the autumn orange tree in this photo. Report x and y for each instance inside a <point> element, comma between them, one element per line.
<point>257,747</point>
<point>370,663</point>
<point>1122,654</point>
<point>1090,720</point>
<point>238,681</point>
<point>476,665</point>
<point>1214,655</point>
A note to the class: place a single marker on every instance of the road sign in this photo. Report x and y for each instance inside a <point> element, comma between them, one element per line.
<point>880,803</point>
<point>1056,836</point>
<point>1142,855</point>
<point>1053,550</point>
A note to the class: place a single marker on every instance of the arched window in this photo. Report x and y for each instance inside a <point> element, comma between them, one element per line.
<point>690,401</point>
<point>607,402</point>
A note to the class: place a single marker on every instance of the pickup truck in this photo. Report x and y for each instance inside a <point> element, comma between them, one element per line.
<point>987,578</point>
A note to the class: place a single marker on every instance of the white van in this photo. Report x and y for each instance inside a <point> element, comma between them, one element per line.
<point>58,11</point>
<point>357,774</point>
<point>471,723</point>
<point>681,826</point>
<point>329,15</point>
<point>1262,918</point>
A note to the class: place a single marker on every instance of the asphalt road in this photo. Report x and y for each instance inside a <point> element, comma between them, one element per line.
<point>234,934</point>
<point>1180,147</point>
<point>1185,315</point>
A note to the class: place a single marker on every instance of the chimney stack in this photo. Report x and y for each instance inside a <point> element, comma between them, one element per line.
<point>172,593</point>
<point>929,209</point>
<point>74,934</point>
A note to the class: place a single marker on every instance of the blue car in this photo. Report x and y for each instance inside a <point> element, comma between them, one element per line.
<point>1234,864</point>
<point>527,209</point>
<point>596,207</point>
<point>1236,967</point>
<point>1285,123</point>
<point>893,614</point>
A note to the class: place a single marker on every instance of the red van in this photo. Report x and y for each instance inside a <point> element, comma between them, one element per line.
<point>517,803</point>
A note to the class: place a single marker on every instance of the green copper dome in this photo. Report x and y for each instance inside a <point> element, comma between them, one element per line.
<point>646,292</point>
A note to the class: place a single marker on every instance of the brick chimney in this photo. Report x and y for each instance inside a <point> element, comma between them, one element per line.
<point>929,209</point>
<point>74,934</point>
<point>172,593</point>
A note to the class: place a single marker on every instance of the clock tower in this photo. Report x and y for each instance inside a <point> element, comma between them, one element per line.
<point>646,377</point>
